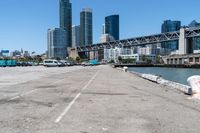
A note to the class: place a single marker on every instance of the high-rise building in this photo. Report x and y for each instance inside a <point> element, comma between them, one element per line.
<point>103,29</point>
<point>194,23</point>
<point>86,33</point>
<point>57,47</point>
<point>75,35</point>
<point>66,19</point>
<point>170,26</point>
<point>112,26</point>
<point>194,43</point>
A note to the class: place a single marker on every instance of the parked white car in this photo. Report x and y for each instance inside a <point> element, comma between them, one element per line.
<point>65,62</point>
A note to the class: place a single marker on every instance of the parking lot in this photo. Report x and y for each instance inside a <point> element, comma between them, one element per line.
<point>96,99</point>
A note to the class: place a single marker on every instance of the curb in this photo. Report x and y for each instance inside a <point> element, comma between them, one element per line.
<point>159,80</point>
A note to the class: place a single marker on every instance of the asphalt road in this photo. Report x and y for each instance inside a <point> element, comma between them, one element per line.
<point>92,100</point>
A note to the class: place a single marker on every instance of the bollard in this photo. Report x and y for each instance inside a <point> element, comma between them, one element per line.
<point>125,69</point>
<point>194,82</point>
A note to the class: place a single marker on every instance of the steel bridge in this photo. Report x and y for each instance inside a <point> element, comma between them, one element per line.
<point>144,40</point>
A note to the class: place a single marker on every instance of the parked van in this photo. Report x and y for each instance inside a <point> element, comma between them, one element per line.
<point>51,63</point>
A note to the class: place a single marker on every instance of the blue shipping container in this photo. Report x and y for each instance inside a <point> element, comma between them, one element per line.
<point>2,63</point>
<point>11,63</point>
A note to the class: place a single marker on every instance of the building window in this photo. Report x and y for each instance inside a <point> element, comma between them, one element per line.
<point>180,61</point>
<point>168,61</point>
<point>196,59</point>
<point>190,59</point>
<point>176,61</point>
<point>172,61</point>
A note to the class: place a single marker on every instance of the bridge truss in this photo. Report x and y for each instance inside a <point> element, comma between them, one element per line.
<point>141,41</point>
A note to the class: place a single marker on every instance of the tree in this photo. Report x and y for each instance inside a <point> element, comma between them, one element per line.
<point>158,59</point>
<point>144,58</point>
<point>149,61</point>
<point>120,59</point>
<point>112,61</point>
<point>78,59</point>
<point>38,58</point>
<point>70,59</point>
<point>128,61</point>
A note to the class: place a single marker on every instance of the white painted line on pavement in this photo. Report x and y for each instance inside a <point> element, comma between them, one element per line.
<point>74,100</point>
<point>30,92</point>
<point>14,98</point>
<point>27,93</point>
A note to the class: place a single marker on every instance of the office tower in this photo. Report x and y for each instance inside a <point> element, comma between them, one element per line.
<point>103,29</point>
<point>112,26</point>
<point>170,26</point>
<point>86,34</point>
<point>66,19</point>
<point>193,24</point>
<point>75,36</point>
<point>194,43</point>
<point>57,46</point>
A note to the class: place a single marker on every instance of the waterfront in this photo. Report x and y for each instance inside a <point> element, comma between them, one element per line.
<point>179,75</point>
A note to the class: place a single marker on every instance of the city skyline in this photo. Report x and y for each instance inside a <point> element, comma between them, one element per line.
<point>26,28</point>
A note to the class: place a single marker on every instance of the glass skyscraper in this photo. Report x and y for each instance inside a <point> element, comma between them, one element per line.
<point>75,35</point>
<point>194,43</point>
<point>86,33</point>
<point>66,19</point>
<point>170,26</point>
<point>57,47</point>
<point>112,26</point>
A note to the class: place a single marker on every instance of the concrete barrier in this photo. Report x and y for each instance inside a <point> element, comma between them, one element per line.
<point>159,80</point>
<point>150,77</point>
<point>184,88</point>
<point>194,82</point>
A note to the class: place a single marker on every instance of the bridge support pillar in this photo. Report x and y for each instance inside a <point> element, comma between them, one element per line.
<point>72,52</point>
<point>92,55</point>
<point>182,42</point>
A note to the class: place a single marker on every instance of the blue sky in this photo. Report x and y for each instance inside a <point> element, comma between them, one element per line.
<point>24,23</point>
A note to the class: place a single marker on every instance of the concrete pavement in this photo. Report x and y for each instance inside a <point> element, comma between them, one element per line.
<point>94,100</point>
